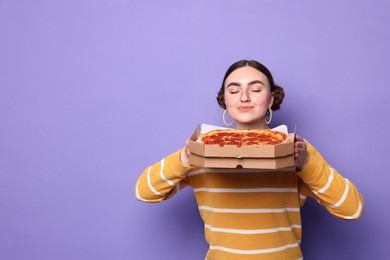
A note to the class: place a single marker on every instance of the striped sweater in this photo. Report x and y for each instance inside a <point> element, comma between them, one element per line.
<point>250,213</point>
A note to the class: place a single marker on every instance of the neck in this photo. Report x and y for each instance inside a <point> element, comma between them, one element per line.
<point>255,125</point>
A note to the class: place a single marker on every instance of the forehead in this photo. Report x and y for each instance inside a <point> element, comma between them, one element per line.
<point>246,74</point>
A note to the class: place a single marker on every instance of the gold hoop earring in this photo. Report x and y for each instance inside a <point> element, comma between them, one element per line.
<point>270,116</point>
<point>224,120</point>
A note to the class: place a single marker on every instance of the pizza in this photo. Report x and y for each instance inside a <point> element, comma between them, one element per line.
<point>243,137</point>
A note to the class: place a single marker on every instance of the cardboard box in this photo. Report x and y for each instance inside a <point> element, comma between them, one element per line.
<point>280,156</point>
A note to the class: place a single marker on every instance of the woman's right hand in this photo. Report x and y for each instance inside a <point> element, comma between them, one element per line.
<point>185,155</point>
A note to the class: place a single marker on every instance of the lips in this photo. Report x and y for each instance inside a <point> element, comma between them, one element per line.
<point>244,108</point>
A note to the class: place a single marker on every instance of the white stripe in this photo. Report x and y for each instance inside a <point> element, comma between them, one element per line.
<point>246,190</point>
<point>137,193</point>
<point>357,214</point>
<point>222,210</point>
<point>251,231</point>
<point>162,174</point>
<point>150,184</point>
<point>342,199</point>
<point>252,252</point>
<point>302,197</point>
<point>330,179</point>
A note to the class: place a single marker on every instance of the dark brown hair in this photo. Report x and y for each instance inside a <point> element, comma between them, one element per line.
<point>275,89</point>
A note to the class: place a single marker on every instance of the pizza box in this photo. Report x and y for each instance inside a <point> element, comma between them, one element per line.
<point>246,156</point>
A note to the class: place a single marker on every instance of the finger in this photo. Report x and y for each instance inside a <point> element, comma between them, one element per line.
<point>298,145</point>
<point>297,153</point>
<point>187,147</point>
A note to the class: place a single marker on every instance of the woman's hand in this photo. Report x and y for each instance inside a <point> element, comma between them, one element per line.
<point>301,155</point>
<point>185,155</point>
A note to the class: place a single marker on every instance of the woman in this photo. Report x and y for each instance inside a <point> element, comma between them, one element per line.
<point>253,214</point>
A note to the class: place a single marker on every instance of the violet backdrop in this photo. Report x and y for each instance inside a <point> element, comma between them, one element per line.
<point>92,92</point>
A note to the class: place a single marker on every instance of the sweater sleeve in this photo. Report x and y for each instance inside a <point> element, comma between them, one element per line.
<point>325,184</point>
<point>162,180</point>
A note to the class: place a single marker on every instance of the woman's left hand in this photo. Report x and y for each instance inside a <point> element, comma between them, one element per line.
<point>301,155</point>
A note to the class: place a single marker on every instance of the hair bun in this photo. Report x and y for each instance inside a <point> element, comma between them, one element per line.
<point>278,97</point>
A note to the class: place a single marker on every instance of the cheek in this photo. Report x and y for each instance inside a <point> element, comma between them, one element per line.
<point>229,100</point>
<point>262,100</point>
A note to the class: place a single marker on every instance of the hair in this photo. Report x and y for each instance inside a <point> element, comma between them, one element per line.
<point>275,89</point>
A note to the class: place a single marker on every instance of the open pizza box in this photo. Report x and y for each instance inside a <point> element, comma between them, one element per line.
<point>272,157</point>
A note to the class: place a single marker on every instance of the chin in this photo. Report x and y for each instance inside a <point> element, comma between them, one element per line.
<point>246,120</point>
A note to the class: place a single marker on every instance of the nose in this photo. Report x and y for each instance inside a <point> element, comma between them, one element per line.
<point>245,96</point>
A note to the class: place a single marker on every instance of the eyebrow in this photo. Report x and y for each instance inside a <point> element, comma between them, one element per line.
<point>250,83</point>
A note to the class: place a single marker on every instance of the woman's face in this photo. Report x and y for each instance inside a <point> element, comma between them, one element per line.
<point>248,97</point>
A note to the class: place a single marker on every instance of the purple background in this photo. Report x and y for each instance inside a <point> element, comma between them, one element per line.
<point>92,92</point>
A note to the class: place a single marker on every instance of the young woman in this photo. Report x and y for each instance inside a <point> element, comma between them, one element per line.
<point>250,213</point>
